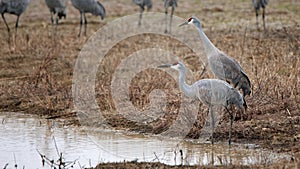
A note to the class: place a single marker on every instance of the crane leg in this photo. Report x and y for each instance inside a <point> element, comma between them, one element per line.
<point>231,120</point>
<point>17,24</point>
<point>56,23</point>
<point>52,20</point>
<point>85,24</point>
<point>256,11</point>
<point>171,18</point>
<point>212,124</point>
<point>263,17</point>
<point>141,15</point>
<point>166,12</point>
<point>8,30</point>
<point>80,24</point>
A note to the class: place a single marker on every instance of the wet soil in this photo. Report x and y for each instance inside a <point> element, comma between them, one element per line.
<point>144,165</point>
<point>37,67</point>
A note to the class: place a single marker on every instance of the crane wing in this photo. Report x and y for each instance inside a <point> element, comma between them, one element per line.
<point>225,68</point>
<point>204,94</point>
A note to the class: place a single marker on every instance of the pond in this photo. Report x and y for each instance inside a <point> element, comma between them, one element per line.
<point>24,137</point>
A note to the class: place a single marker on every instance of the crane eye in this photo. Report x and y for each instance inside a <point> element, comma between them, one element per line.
<point>190,20</point>
<point>176,63</point>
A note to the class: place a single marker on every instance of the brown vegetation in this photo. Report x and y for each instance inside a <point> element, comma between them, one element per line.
<point>36,69</point>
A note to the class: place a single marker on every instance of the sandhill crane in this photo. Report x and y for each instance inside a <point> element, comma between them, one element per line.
<point>58,8</point>
<point>173,5</point>
<point>211,92</point>
<point>16,7</point>
<point>223,66</point>
<point>142,4</point>
<point>88,6</point>
<point>257,4</point>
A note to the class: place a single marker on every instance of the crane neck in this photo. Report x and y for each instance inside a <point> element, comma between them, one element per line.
<point>209,47</point>
<point>185,88</point>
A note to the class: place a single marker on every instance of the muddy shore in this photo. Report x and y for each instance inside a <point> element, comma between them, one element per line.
<point>37,71</point>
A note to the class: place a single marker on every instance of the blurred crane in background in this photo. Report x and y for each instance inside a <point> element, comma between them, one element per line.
<point>88,6</point>
<point>257,4</point>
<point>142,4</point>
<point>211,92</point>
<point>15,7</point>
<point>173,5</point>
<point>223,66</point>
<point>58,8</point>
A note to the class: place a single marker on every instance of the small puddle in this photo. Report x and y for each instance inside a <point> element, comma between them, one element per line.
<point>22,135</point>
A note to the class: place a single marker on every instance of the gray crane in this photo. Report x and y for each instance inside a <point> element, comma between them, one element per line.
<point>173,5</point>
<point>223,66</point>
<point>142,4</point>
<point>88,6</point>
<point>58,8</point>
<point>15,7</point>
<point>257,4</point>
<point>211,92</point>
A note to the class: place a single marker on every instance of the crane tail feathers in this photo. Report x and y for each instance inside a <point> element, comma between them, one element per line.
<point>103,13</point>
<point>247,78</point>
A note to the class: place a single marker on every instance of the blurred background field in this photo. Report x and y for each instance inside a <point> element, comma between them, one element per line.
<point>36,68</point>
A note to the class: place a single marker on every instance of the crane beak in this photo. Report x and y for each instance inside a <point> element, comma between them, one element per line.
<point>164,66</point>
<point>185,23</point>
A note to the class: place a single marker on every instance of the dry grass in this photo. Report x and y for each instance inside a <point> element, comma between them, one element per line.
<point>36,69</point>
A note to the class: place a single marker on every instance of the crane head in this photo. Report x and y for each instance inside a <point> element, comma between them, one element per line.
<point>245,84</point>
<point>236,98</point>
<point>177,66</point>
<point>191,21</point>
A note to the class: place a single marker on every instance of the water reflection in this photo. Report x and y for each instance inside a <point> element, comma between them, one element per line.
<point>22,135</point>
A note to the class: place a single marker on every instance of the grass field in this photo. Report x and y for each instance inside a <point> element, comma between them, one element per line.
<point>36,67</point>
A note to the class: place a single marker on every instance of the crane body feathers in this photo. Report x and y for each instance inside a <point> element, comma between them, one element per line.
<point>173,5</point>
<point>88,6</point>
<point>16,7</point>
<point>257,4</point>
<point>143,3</point>
<point>57,7</point>
<point>211,92</point>
<point>223,66</point>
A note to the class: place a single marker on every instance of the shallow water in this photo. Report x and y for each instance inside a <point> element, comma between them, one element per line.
<point>22,136</point>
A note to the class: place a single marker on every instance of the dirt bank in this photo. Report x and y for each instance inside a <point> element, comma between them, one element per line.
<point>37,68</point>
